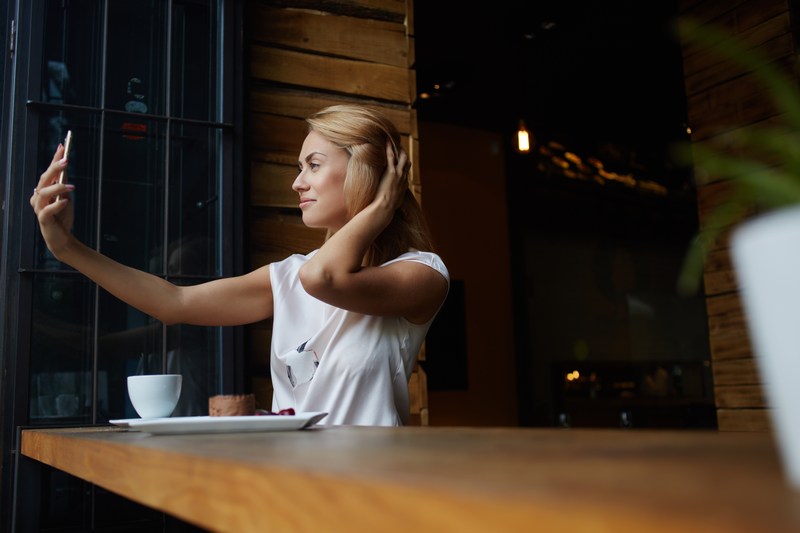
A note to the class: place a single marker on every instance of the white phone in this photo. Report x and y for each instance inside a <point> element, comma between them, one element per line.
<point>67,146</point>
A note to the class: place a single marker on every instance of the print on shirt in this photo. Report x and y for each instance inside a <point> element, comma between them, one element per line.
<point>301,364</point>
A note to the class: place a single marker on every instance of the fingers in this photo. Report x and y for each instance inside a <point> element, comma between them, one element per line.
<point>394,182</point>
<point>52,173</point>
<point>48,185</point>
<point>401,165</point>
<point>47,211</point>
<point>58,154</point>
<point>57,193</point>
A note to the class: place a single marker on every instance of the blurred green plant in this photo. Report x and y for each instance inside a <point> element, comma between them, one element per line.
<point>761,163</point>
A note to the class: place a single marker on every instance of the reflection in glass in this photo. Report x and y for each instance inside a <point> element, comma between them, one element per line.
<point>129,343</point>
<point>194,219</point>
<point>61,348</point>
<point>193,353</point>
<point>193,62</point>
<point>132,218</point>
<point>147,195</point>
<point>72,52</point>
<point>136,74</point>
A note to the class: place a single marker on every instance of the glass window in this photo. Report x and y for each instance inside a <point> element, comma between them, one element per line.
<point>194,200</point>
<point>72,53</point>
<point>132,207</point>
<point>193,61</point>
<point>61,349</point>
<point>139,84</point>
<point>137,51</point>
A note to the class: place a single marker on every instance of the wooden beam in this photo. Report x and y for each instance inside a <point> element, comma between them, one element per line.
<point>330,74</point>
<point>357,38</point>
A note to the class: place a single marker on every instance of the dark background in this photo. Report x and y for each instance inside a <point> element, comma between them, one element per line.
<point>584,74</point>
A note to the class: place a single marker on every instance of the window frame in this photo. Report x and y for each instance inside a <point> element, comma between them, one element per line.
<point>18,156</point>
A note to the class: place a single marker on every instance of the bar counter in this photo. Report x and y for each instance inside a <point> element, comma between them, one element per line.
<point>416,479</point>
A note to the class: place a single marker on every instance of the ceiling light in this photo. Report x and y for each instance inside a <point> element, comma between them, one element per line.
<point>524,139</point>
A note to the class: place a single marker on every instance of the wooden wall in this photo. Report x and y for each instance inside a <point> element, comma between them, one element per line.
<point>303,55</point>
<point>721,97</point>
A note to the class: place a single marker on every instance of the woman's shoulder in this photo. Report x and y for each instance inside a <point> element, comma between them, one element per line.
<point>292,262</point>
<point>431,259</point>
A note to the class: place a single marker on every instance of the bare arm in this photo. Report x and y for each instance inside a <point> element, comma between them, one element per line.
<point>336,276</point>
<point>230,301</point>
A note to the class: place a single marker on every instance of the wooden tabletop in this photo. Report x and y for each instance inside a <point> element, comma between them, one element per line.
<point>417,479</point>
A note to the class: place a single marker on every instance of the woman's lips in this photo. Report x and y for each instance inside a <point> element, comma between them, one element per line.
<point>305,202</point>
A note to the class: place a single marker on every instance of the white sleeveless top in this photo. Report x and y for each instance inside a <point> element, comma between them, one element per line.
<point>355,367</point>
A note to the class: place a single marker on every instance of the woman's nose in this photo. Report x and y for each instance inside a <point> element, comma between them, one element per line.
<point>299,183</point>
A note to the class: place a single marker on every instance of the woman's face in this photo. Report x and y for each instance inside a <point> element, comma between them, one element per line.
<point>320,183</point>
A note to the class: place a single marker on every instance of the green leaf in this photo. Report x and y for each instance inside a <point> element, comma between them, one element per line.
<point>760,162</point>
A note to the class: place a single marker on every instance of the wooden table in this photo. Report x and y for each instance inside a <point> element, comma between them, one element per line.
<point>418,479</point>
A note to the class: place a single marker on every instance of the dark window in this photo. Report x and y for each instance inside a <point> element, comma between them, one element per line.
<point>140,85</point>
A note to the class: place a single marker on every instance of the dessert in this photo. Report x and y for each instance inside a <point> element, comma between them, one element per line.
<point>232,405</point>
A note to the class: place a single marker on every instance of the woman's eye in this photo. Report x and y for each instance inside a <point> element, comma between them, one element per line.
<point>312,166</point>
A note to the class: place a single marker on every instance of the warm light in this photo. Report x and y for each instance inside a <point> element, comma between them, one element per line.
<point>523,138</point>
<point>424,96</point>
<point>572,376</point>
<point>523,141</point>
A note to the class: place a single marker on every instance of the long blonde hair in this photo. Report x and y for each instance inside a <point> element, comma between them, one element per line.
<point>363,132</point>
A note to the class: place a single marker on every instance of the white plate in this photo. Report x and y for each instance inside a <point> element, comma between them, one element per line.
<point>125,422</point>
<point>224,424</point>
<point>122,422</point>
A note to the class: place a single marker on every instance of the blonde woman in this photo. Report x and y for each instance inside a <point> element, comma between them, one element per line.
<point>349,317</point>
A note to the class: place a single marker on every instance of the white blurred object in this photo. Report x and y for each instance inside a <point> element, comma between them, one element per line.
<point>766,256</point>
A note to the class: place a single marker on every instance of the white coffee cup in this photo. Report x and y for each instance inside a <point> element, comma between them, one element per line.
<point>154,395</point>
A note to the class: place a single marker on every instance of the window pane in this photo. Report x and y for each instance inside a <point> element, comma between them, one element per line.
<point>194,353</point>
<point>61,349</point>
<point>147,195</point>
<point>129,343</point>
<point>72,52</point>
<point>132,219</point>
<point>83,173</point>
<point>194,220</point>
<point>136,67</point>
<point>194,61</point>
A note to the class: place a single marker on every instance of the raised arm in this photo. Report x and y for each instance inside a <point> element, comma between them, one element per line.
<point>336,276</point>
<point>230,301</point>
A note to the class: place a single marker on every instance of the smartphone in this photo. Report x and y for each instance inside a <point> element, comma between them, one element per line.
<point>67,146</point>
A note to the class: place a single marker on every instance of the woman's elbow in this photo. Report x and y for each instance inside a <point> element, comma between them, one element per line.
<point>315,281</point>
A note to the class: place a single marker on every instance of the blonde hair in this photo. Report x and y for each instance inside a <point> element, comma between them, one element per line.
<point>363,132</point>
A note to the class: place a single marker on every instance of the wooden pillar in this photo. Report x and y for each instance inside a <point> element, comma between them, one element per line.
<point>721,97</point>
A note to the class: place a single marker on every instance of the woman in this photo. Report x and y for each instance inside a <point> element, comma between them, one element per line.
<point>348,318</point>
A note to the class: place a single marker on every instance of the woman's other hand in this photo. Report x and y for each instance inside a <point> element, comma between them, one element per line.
<point>51,203</point>
<point>394,182</point>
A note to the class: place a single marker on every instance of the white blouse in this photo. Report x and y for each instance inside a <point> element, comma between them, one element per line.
<point>355,367</point>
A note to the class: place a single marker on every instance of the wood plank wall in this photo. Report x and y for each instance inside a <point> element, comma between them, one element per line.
<point>721,97</point>
<point>303,55</point>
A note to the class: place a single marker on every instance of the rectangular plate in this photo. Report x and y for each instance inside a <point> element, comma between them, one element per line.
<point>221,424</point>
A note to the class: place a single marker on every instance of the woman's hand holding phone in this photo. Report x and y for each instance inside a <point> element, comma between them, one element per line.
<point>50,200</point>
